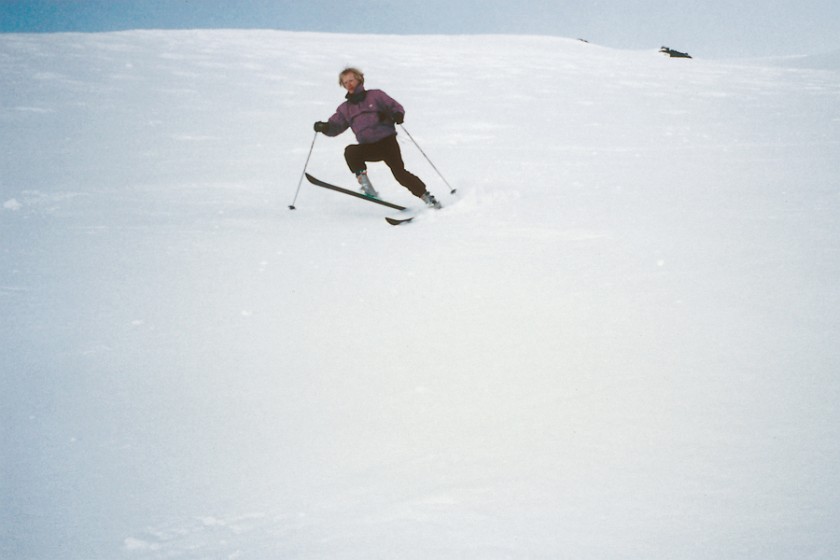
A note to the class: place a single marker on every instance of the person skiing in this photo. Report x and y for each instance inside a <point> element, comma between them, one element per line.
<point>371,115</point>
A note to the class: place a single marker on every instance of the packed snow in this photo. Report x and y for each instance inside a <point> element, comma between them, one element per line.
<point>618,340</point>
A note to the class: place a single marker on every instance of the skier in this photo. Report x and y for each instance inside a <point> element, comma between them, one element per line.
<point>371,114</point>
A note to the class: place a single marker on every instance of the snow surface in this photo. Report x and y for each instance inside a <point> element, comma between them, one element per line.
<point>617,341</point>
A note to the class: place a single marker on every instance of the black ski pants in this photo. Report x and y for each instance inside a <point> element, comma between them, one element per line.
<point>387,150</point>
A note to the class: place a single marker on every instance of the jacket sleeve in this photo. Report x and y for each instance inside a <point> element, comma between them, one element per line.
<point>388,105</point>
<point>338,124</point>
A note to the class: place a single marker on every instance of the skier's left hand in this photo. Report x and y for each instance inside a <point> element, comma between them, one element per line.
<point>399,118</point>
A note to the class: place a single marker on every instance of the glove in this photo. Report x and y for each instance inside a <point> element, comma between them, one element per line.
<point>396,118</point>
<point>321,126</point>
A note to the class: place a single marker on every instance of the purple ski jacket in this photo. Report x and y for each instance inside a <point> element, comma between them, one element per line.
<point>368,113</point>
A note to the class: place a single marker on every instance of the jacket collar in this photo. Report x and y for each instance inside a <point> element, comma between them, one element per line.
<point>357,96</point>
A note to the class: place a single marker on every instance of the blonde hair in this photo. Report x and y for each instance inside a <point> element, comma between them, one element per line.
<point>351,70</point>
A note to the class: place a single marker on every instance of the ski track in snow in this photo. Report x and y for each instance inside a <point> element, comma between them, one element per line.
<point>616,341</point>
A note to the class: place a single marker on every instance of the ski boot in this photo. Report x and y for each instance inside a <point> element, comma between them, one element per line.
<point>431,201</point>
<point>367,187</point>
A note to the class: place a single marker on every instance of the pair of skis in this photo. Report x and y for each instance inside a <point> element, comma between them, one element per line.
<point>393,221</point>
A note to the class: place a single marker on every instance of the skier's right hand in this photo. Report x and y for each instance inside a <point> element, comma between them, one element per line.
<point>321,126</point>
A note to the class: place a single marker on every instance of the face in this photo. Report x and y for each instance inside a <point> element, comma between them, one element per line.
<point>350,82</point>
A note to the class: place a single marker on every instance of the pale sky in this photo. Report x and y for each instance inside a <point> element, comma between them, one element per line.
<point>711,28</point>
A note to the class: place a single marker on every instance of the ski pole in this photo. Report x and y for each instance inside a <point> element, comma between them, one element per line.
<point>451,190</point>
<point>305,165</point>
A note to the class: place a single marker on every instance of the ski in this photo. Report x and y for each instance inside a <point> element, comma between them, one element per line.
<point>398,221</point>
<point>320,183</point>
<point>407,219</point>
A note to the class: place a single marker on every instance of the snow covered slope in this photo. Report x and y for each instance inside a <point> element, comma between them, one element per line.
<point>617,341</point>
